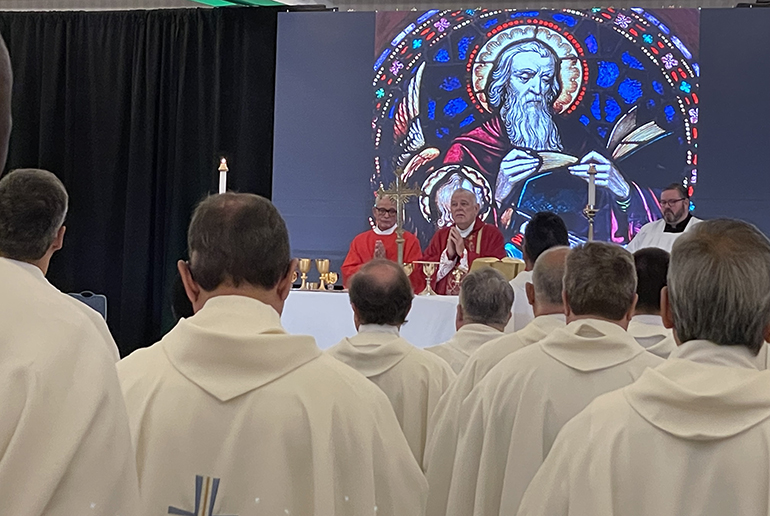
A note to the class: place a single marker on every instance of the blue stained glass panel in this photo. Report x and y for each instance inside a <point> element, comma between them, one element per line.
<point>650,103</point>
<point>602,131</point>
<point>658,87</point>
<point>611,109</point>
<point>450,84</point>
<point>490,23</point>
<point>454,107</point>
<point>432,109</point>
<point>442,56</point>
<point>608,74</point>
<point>596,107</point>
<point>630,90</point>
<point>525,14</point>
<point>392,110</point>
<point>565,19</point>
<point>591,44</point>
<point>584,120</point>
<point>468,120</point>
<point>632,62</point>
<point>427,15</point>
<point>670,112</point>
<point>462,47</point>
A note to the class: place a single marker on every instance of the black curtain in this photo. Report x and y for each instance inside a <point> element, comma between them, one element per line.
<point>132,110</point>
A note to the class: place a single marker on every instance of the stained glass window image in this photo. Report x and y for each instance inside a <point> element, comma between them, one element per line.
<point>517,105</point>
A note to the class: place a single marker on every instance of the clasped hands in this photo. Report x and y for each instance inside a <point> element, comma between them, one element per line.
<point>455,245</point>
<point>519,164</point>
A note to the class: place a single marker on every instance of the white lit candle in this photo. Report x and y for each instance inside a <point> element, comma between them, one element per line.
<point>223,175</point>
<point>591,185</point>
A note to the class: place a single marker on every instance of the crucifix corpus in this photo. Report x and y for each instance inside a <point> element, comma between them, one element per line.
<point>400,192</point>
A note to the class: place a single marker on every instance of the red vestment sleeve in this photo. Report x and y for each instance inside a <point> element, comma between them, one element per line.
<point>360,252</point>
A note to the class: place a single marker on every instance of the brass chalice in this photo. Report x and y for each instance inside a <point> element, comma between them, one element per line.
<point>322,264</point>
<point>429,269</point>
<point>408,268</point>
<point>304,268</point>
<point>331,279</point>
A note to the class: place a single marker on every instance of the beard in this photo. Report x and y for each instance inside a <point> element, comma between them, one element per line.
<point>529,123</point>
<point>671,216</point>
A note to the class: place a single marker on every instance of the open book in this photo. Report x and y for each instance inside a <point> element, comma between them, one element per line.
<point>508,267</point>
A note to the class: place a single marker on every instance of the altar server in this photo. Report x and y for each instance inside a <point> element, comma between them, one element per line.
<point>231,415</point>
<point>662,233</point>
<point>380,242</point>
<point>65,447</point>
<point>482,313</point>
<point>544,231</point>
<point>646,326</point>
<point>412,378</point>
<point>545,295</point>
<point>693,435</point>
<point>509,421</point>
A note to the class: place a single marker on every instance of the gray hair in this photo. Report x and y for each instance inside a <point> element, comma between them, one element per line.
<point>33,205</point>
<point>600,280</point>
<point>548,275</point>
<point>719,284</point>
<point>486,297</point>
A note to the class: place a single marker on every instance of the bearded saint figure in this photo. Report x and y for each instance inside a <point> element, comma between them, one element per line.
<point>519,151</point>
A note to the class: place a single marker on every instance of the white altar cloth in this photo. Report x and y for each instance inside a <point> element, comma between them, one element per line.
<point>327,316</point>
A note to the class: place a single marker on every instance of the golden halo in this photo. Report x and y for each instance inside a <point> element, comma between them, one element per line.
<point>571,72</point>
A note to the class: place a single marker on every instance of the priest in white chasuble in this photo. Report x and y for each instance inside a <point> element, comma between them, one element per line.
<point>646,325</point>
<point>230,413</point>
<point>693,435</point>
<point>483,311</point>
<point>509,421</point>
<point>412,378</point>
<point>544,231</point>
<point>65,447</point>
<point>545,295</point>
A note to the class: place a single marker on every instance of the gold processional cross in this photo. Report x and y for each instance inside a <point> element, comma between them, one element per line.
<point>400,192</point>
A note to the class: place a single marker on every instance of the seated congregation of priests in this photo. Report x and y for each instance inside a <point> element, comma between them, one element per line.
<point>635,384</point>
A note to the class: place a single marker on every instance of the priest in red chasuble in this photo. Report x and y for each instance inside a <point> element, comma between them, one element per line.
<point>380,241</point>
<point>455,247</point>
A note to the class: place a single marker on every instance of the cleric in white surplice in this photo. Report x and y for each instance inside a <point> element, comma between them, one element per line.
<point>510,419</point>
<point>230,413</point>
<point>545,296</point>
<point>677,219</point>
<point>412,378</point>
<point>693,435</point>
<point>65,447</point>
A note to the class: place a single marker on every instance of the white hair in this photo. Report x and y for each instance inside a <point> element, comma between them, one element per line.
<point>528,125</point>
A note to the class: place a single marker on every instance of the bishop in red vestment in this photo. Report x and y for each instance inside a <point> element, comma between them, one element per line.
<point>456,247</point>
<point>380,242</point>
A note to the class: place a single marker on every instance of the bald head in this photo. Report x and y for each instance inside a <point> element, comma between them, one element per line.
<point>548,276</point>
<point>6,85</point>
<point>380,293</point>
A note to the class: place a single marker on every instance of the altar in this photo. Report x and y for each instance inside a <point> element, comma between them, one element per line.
<point>327,316</point>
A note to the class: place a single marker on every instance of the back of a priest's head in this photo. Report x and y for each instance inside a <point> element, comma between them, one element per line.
<point>719,285</point>
<point>237,241</point>
<point>380,293</point>
<point>544,231</point>
<point>600,281</point>
<point>651,272</point>
<point>33,206</point>
<point>485,298</point>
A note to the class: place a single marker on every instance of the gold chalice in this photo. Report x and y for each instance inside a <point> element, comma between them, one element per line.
<point>304,268</point>
<point>322,264</point>
<point>408,268</point>
<point>429,269</point>
<point>331,279</point>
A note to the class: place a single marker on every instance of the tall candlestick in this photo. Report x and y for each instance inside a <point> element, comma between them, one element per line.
<point>591,185</point>
<point>223,175</point>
